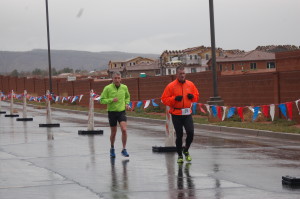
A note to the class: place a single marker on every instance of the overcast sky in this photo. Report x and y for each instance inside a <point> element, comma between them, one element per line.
<point>147,26</point>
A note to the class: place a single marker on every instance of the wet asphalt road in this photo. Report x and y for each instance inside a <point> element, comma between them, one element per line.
<point>57,163</point>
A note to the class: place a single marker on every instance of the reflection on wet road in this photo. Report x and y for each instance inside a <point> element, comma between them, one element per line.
<point>58,163</point>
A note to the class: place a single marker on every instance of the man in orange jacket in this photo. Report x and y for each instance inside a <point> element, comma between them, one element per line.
<point>179,96</point>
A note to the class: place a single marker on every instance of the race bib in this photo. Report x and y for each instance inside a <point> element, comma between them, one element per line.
<point>186,111</point>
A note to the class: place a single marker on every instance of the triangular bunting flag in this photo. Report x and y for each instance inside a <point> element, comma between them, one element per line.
<point>224,112</point>
<point>214,110</point>
<point>240,112</point>
<point>272,111</point>
<point>266,110</point>
<point>282,108</point>
<point>289,106</point>
<point>219,110</point>
<point>255,113</point>
<point>147,103</point>
<point>231,112</point>
<point>153,103</point>
<point>297,105</point>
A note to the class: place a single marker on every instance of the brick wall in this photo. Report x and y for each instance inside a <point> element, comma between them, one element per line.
<point>6,87</point>
<point>236,90</point>
<point>1,84</point>
<point>20,85</point>
<point>29,86</point>
<point>288,61</point>
<point>40,86</point>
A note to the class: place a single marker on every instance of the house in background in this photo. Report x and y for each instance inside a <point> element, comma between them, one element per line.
<point>147,69</point>
<point>277,48</point>
<point>253,61</point>
<point>193,59</point>
<point>120,66</point>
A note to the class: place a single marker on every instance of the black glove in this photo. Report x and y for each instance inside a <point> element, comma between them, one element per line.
<point>178,98</point>
<point>190,96</point>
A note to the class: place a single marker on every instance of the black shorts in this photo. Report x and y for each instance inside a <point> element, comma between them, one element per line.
<point>115,117</point>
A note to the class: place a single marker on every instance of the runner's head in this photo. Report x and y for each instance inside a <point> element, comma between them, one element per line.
<point>180,74</point>
<point>116,77</point>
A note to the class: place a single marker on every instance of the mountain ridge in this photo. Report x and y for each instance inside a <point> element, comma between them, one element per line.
<point>27,61</point>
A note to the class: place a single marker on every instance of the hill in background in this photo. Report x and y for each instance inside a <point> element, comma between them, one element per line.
<point>27,61</point>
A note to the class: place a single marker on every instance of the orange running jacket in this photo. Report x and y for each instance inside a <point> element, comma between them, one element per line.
<point>176,88</point>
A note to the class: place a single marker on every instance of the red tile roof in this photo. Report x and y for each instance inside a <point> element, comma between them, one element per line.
<point>253,55</point>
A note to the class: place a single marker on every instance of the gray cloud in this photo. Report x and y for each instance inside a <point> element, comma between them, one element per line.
<point>147,26</point>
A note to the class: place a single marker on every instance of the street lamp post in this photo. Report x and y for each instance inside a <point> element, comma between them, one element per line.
<point>216,99</point>
<point>49,54</point>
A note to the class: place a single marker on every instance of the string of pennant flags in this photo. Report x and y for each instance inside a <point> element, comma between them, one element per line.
<point>214,110</point>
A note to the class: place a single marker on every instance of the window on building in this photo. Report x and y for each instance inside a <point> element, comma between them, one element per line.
<point>207,56</point>
<point>157,72</point>
<point>169,71</point>
<point>270,65</point>
<point>220,67</point>
<point>253,66</point>
<point>196,57</point>
<point>193,70</point>
<point>115,65</point>
<point>232,66</point>
<point>191,57</point>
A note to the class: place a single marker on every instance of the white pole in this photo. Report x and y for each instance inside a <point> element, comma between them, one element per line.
<point>170,132</point>
<point>25,104</point>
<point>91,113</point>
<point>12,102</point>
<point>48,119</point>
<point>1,100</point>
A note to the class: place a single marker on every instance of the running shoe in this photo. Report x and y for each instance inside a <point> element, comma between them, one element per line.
<point>187,156</point>
<point>112,153</point>
<point>124,153</point>
<point>180,159</point>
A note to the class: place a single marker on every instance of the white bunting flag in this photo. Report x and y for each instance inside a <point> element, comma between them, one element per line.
<point>147,104</point>
<point>272,111</point>
<point>207,107</point>
<point>297,105</point>
<point>80,97</point>
<point>224,111</point>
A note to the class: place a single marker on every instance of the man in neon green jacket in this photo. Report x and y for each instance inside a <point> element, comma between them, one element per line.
<point>117,98</point>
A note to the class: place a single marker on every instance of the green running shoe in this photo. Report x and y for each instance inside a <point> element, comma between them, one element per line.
<point>180,159</point>
<point>187,156</point>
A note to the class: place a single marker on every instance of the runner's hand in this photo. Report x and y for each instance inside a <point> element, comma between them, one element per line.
<point>190,96</point>
<point>128,108</point>
<point>178,98</point>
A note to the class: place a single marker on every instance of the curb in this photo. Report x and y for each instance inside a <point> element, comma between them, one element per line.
<point>225,129</point>
<point>252,132</point>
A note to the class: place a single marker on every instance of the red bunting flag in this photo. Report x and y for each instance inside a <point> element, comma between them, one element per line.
<point>266,110</point>
<point>133,105</point>
<point>200,107</point>
<point>219,110</point>
<point>289,106</point>
<point>240,112</point>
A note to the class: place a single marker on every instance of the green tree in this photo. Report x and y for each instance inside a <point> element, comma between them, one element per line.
<point>14,73</point>
<point>37,71</point>
<point>67,70</point>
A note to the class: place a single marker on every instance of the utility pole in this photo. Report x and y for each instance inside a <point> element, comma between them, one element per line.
<point>49,54</point>
<point>216,99</point>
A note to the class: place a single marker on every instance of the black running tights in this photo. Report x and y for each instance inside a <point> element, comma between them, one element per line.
<point>186,121</point>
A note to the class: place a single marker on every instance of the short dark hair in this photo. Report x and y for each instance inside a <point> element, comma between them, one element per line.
<point>179,68</point>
